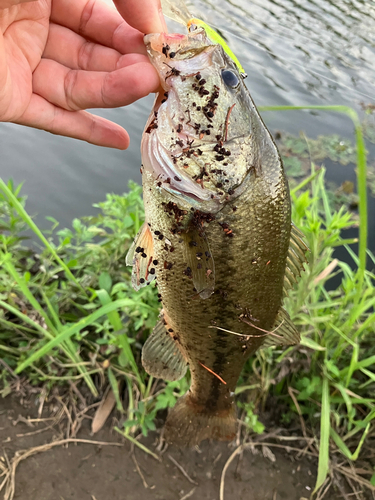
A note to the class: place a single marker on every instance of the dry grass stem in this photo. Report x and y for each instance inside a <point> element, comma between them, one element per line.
<point>182,470</point>
<point>139,471</point>
<point>326,272</point>
<point>188,495</point>
<point>323,490</point>
<point>216,459</point>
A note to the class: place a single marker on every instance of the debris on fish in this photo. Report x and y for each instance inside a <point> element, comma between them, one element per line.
<point>218,236</point>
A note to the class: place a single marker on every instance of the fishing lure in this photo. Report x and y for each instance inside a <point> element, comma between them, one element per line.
<point>177,11</point>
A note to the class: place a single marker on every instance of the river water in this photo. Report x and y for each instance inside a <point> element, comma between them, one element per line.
<point>295,52</point>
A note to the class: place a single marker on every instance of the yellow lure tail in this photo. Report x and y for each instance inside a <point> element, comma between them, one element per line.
<point>177,11</point>
<point>216,38</point>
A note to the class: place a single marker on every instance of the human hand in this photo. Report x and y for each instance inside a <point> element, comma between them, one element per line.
<point>60,57</point>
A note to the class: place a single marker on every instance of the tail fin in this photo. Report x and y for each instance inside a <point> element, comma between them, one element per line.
<point>188,424</point>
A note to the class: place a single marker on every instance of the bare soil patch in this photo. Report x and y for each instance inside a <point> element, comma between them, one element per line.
<point>105,472</point>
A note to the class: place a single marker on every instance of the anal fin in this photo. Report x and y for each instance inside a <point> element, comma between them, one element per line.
<point>161,356</point>
<point>141,257</point>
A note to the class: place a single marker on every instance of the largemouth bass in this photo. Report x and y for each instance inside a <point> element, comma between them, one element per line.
<point>218,236</point>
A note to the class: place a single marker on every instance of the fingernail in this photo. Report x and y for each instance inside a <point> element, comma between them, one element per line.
<point>163,23</point>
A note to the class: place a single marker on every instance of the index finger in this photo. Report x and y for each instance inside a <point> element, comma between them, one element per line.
<point>144,15</point>
<point>98,21</point>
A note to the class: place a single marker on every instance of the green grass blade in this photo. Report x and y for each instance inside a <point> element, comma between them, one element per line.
<point>353,365</point>
<point>116,322</point>
<point>26,319</point>
<point>115,389</point>
<point>323,464</point>
<point>70,349</point>
<point>304,183</point>
<point>137,443</point>
<point>72,330</point>
<point>344,449</point>
<point>52,312</point>
<point>26,218</point>
<point>7,264</point>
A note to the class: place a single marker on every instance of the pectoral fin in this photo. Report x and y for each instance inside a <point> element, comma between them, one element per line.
<point>141,257</point>
<point>200,263</point>
<point>161,356</point>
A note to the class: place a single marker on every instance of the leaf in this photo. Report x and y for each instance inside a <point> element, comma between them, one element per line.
<point>323,464</point>
<point>308,342</point>
<point>115,389</point>
<point>68,331</point>
<point>105,282</point>
<point>104,410</point>
<point>128,221</point>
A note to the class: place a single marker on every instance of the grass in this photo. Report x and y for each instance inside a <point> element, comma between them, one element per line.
<point>68,313</point>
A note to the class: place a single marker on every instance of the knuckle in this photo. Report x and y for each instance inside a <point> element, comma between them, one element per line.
<point>92,132</point>
<point>107,85</point>
<point>85,54</point>
<point>70,82</point>
<point>86,16</point>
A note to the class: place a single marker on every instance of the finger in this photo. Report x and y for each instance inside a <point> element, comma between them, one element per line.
<point>76,124</point>
<point>75,52</point>
<point>144,15</point>
<point>97,21</point>
<point>5,4</point>
<point>75,89</point>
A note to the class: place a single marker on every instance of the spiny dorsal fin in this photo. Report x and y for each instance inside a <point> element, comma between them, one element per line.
<point>286,334</point>
<point>161,356</point>
<point>141,257</point>
<point>295,259</point>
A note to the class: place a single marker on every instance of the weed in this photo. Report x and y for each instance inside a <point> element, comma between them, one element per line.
<point>68,312</point>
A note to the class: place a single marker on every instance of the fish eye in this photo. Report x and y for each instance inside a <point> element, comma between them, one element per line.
<point>230,78</point>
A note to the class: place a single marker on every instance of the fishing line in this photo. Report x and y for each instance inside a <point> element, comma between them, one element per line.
<point>308,71</point>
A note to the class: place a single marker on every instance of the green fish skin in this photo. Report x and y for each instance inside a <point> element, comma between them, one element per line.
<point>218,236</point>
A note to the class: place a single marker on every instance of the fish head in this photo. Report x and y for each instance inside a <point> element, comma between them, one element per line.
<point>200,141</point>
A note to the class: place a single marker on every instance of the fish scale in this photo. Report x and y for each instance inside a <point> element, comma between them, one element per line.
<point>221,249</point>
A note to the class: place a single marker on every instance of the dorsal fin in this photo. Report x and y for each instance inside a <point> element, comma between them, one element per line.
<point>283,332</point>
<point>161,356</point>
<point>295,260</point>
<point>200,263</point>
<point>141,257</point>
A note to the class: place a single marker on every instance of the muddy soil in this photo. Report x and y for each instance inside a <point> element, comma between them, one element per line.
<point>95,472</point>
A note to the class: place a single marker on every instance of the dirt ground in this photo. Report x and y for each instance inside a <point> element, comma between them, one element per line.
<point>83,471</point>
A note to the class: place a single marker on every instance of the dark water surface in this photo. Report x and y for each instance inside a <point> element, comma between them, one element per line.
<point>295,52</point>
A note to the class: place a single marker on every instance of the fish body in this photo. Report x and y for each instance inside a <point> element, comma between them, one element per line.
<point>218,235</point>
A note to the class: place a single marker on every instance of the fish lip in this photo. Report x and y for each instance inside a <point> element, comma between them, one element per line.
<point>184,47</point>
<point>154,42</point>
